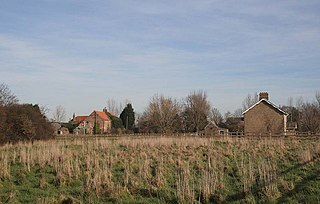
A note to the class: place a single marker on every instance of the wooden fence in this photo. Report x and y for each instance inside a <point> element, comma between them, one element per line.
<point>229,134</point>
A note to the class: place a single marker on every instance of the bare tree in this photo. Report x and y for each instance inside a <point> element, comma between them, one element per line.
<point>116,107</point>
<point>113,106</point>
<point>25,127</point>
<point>299,102</point>
<point>290,108</point>
<point>308,114</point>
<point>238,113</point>
<point>59,114</point>
<point>215,116</point>
<point>197,110</point>
<point>6,96</point>
<point>310,117</point>
<point>44,110</point>
<point>227,115</point>
<point>162,114</point>
<point>290,101</point>
<point>249,101</point>
<point>318,97</point>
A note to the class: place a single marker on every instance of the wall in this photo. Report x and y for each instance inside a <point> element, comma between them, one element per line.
<point>264,119</point>
<point>105,126</point>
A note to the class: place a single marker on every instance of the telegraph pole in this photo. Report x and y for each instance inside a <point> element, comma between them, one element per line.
<point>127,122</point>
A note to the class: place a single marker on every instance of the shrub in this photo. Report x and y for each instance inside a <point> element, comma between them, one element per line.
<point>23,122</point>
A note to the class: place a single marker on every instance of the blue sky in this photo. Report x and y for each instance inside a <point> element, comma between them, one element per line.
<point>79,53</point>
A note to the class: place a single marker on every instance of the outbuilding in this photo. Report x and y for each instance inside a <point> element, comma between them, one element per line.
<point>212,129</point>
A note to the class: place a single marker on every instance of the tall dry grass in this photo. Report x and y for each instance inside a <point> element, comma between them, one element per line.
<point>198,169</point>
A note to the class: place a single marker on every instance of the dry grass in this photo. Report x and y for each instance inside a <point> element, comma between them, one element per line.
<point>197,169</point>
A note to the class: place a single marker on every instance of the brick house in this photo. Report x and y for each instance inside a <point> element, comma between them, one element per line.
<point>83,126</point>
<point>86,124</point>
<point>264,117</point>
<point>78,119</point>
<point>101,118</point>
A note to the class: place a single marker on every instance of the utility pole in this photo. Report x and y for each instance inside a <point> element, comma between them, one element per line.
<point>95,122</point>
<point>127,122</point>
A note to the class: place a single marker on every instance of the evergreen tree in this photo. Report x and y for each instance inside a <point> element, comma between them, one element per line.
<point>96,128</point>
<point>127,117</point>
<point>116,123</point>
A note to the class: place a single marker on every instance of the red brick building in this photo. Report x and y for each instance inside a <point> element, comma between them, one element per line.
<point>86,124</point>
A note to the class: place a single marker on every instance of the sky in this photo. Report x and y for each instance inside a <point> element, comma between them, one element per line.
<point>80,53</point>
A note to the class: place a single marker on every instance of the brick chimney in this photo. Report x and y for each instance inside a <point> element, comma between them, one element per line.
<point>263,95</point>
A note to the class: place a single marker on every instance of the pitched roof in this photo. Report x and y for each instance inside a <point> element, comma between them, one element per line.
<point>212,123</point>
<point>268,103</point>
<point>113,114</point>
<point>80,118</point>
<point>102,115</point>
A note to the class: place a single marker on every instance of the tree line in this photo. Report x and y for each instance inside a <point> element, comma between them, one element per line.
<point>192,114</point>
<point>21,121</point>
<point>169,115</point>
<point>305,114</point>
<point>162,115</point>
<point>302,115</point>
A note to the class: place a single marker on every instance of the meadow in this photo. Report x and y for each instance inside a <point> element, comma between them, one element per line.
<point>161,170</point>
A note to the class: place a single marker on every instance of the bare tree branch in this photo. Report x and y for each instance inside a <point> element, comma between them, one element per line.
<point>238,113</point>
<point>6,96</point>
<point>59,114</point>
<point>197,110</point>
<point>318,97</point>
<point>114,107</point>
<point>44,110</point>
<point>299,102</point>
<point>249,101</point>
<point>215,116</point>
<point>163,114</point>
<point>310,117</point>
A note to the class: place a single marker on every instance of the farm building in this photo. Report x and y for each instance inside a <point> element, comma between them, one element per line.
<point>78,119</point>
<point>264,117</point>
<point>59,129</point>
<point>101,118</point>
<point>212,129</point>
<point>63,131</point>
<point>86,124</point>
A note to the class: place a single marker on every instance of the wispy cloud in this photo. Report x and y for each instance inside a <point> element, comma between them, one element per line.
<point>59,52</point>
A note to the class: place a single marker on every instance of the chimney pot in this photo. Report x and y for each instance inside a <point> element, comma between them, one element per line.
<point>263,95</point>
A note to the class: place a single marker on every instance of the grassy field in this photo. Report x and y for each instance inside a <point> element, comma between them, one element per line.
<point>161,170</point>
